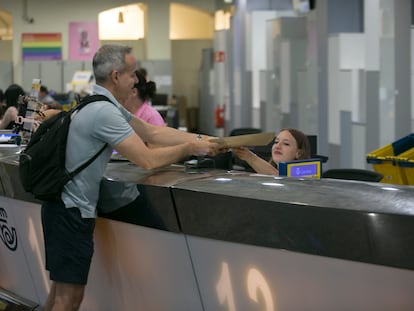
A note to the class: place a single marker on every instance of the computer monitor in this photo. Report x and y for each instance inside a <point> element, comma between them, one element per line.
<point>159,100</point>
<point>301,168</point>
<point>302,7</point>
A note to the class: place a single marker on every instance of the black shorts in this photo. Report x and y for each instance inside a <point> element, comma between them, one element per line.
<point>68,243</point>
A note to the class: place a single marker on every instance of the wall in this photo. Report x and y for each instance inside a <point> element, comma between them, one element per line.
<point>6,50</point>
<point>60,13</point>
<point>185,67</point>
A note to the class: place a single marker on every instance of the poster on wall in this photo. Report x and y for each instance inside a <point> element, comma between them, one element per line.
<point>83,40</point>
<point>41,46</point>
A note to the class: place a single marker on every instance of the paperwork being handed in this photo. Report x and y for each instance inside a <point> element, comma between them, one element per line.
<point>248,140</point>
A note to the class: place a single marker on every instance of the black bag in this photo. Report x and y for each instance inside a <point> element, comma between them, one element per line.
<point>42,163</point>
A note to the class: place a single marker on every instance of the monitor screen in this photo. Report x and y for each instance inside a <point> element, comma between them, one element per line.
<point>302,7</point>
<point>301,168</point>
<point>160,100</point>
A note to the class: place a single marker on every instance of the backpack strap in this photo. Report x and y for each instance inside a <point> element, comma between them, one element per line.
<point>89,99</point>
<point>84,101</point>
<point>87,163</point>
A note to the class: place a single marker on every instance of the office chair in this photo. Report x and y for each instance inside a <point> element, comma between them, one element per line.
<point>245,131</point>
<point>353,174</point>
<point>313,142</point>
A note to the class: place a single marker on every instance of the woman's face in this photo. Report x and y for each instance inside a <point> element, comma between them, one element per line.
<point>285,148</point>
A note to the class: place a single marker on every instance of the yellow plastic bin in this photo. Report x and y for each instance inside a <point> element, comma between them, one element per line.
<point>386,160</point>
<point>406,163</point>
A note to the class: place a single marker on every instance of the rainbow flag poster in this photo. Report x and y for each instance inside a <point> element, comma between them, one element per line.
<point>42,46</point>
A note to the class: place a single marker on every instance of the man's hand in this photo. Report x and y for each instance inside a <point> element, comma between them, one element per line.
<point>204,147</point>
<point>49,113</point>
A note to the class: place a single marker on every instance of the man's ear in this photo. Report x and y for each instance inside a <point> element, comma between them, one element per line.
<point>114,76</point>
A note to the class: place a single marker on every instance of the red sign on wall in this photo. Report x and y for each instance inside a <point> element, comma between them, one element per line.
<point>219,56</point>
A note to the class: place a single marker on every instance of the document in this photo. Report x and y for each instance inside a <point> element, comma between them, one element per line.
<point>249,140</point>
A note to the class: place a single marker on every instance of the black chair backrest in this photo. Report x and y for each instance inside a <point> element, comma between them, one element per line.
<point>353,174</point>
<point>245,131</point>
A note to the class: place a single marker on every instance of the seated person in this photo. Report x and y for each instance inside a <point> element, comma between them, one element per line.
<point>138,102</point>
<point>44,95</point>
<point>11,96</point>
<point>289,145</point>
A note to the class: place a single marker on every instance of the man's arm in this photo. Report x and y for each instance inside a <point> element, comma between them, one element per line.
<point>162,135</point>
<point>134,149</point>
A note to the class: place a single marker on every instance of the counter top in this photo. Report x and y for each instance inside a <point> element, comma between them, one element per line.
<point>360,221</point>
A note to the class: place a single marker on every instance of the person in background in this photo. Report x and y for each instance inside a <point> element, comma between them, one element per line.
<point>138,102</point>
<point>68,224</point>
<point>11,96</point>
<point>44,96</point>
<point>289,145</point>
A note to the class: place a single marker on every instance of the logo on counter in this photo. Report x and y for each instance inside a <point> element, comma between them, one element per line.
<point>7,234</point>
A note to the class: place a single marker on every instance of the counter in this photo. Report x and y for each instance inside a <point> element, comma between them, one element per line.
<point>179,239</point>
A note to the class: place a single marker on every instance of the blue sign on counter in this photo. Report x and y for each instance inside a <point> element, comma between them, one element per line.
<point>301,168</point>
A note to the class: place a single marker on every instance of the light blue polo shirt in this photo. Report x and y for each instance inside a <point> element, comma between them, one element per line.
<point>94,125</point>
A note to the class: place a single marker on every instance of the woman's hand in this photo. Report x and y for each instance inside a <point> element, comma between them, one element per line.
<point>243,153</point>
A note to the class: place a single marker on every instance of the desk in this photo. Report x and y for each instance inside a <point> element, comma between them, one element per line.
<point>213,240</point>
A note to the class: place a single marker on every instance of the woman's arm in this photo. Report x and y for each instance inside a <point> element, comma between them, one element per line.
<point>257,163</point>
<point>9,116</point>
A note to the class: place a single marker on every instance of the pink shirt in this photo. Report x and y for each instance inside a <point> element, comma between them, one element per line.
<point>149,114</point>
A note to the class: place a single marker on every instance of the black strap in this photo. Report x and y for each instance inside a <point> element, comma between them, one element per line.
<point>84,101</point>
<point>89,99</point>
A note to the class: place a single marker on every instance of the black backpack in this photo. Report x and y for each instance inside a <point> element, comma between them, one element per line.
<point>42,163</point>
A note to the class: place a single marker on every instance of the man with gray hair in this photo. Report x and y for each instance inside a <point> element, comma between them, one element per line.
<point>68,224</point>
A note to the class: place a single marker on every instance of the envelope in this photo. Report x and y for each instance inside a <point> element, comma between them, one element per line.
<point>249,140</point>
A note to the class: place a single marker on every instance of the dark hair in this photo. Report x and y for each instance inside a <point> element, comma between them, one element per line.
<point>44,89</point>
<point>12,94</point>
<point>143,71</point>
<point>302,141</point>
<point>146,89</point>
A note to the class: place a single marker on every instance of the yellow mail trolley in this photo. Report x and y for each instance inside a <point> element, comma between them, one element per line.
<point>395,161</point>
